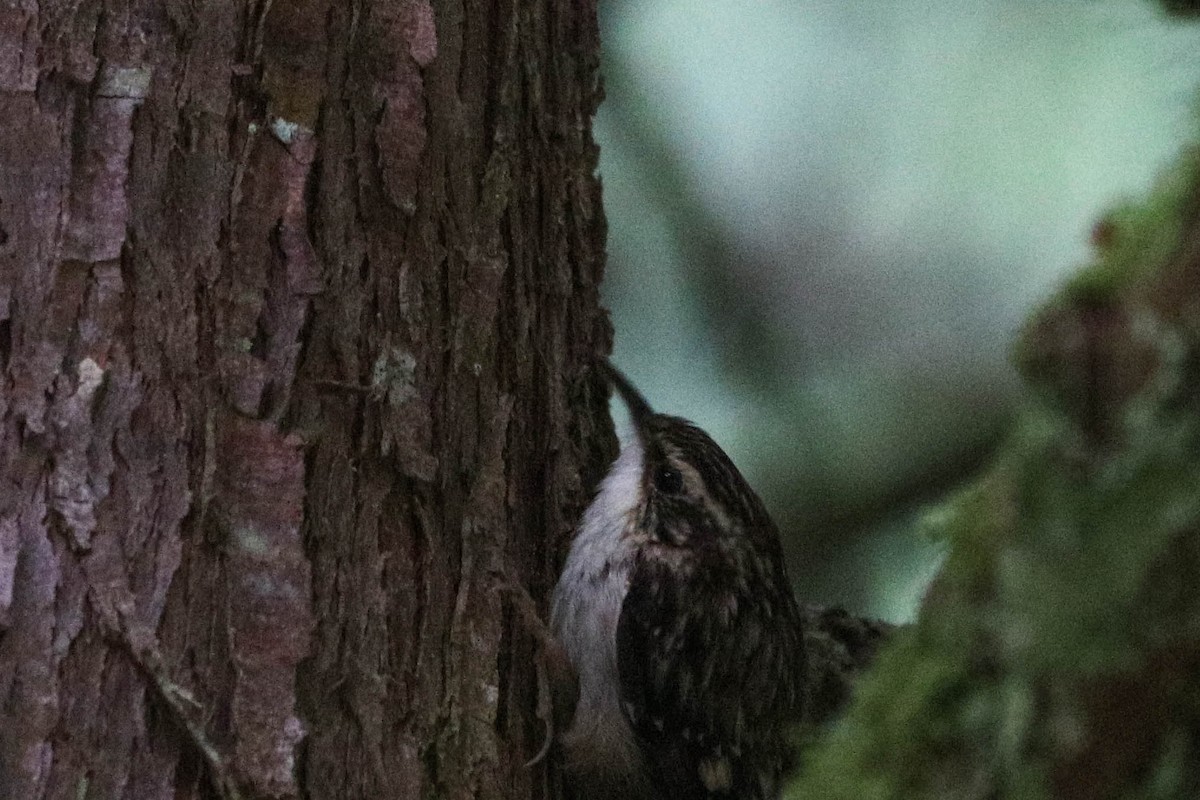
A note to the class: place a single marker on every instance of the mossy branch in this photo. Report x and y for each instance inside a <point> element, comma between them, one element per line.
<point>1057,654</point>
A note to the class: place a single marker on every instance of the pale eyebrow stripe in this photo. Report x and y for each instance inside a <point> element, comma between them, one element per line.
<point>694,480</point>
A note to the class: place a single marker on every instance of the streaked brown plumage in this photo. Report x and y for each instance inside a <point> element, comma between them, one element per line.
<point>676,609</point>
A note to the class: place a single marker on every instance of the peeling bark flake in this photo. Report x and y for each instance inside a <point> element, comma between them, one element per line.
<point>74,493</point>
<point>394,380</point>
<point>418,29</point>
<point>95,228</point>
<point>276,270</point>
<point>289,292</point>
<point>28,684</point>
<point>260,496</point>
<point>401,134</point>
<point>19,41</point>
<point>9,547</point>
<point>475,632</point>
<point>477,317</point>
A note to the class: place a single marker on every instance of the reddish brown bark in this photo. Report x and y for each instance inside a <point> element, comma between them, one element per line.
<point>297,307</point>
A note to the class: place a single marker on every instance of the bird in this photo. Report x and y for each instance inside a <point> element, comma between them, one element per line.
<point>675,609</point>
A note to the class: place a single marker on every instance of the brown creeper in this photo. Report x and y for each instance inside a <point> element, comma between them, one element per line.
<point>675,608</point>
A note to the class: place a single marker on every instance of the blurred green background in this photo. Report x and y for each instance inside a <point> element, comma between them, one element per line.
<point>827,220</point>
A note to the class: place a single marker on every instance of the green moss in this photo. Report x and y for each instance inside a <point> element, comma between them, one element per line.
<point>1068,602</point>
<point>922,702</point>
<point>1043,591</point>
<point>1138,238</point>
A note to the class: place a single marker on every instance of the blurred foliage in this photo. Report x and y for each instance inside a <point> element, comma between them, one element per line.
<point>1182,8</point>
<point>828,219</point>
<point>1057,651</point>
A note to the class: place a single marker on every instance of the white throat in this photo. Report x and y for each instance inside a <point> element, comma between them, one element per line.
<point>587,605</point>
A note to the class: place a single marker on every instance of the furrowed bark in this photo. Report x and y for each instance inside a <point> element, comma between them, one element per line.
<point>298,303</point>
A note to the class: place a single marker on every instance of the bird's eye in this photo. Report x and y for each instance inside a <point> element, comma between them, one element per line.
<point>668,480</point>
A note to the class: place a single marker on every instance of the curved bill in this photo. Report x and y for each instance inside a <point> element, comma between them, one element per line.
<point>639,410</point>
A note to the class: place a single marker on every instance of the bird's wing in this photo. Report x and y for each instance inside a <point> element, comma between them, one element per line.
<point>708,682</point>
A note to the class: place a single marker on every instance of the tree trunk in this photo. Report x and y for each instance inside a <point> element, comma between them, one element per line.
<point>297,307</point>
